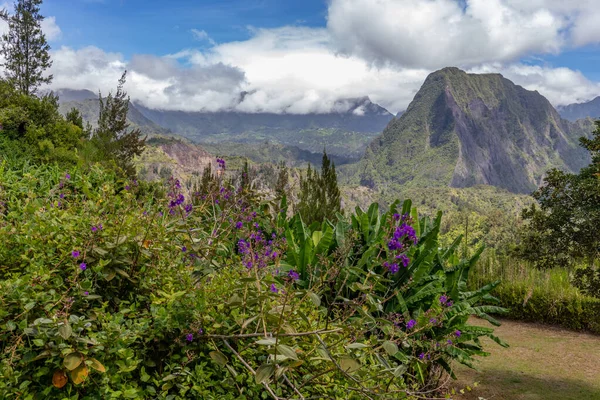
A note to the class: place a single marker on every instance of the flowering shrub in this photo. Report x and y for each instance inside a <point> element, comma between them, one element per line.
<point>129,290</point>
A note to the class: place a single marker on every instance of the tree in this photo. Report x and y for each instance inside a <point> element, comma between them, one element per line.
<point>113,138</point>
<point>563,230</point>
<point>320,197</point>
<point>25,48</point>
<point>282,181</point>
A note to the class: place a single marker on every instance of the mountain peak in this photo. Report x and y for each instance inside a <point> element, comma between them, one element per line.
<point>468,129</point>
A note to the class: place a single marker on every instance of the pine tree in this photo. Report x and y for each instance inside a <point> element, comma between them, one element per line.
<point>113,138</point>
<point>282,181</point>
<point>25,48</point>
<point>320,196</point>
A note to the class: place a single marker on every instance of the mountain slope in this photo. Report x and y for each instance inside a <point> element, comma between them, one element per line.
<point>574,112</point>
<point>463,130</point>
<point>345,133</point>
<point>90,109</point>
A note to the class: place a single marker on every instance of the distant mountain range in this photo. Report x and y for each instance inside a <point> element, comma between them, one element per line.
<point>463,130</point>
<point>345,133</point>
<point>574,112</point>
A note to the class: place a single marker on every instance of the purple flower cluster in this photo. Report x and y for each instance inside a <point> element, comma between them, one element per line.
<point>401,233</point>
<point>445,301</point>
<point>97,228</point>
<point>293,275</point>
<point>257,251</point>
<point>393,268</point>
<point>221,163</point>
<point>411,324</point>
<point>177,200</point>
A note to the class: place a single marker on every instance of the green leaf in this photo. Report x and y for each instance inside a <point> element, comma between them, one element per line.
<point>218,357</point>
<point>349,365</point>
<point>72,361</point>
<point>357,346</point>
<point>286,351</point>
<point>390,347</point>
<point>266,342</point>
<point>97,365</point>
<point>264,372</point>
<point>64,330</point>
<point>315,298</point>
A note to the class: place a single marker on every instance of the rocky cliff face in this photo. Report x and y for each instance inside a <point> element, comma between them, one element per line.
<point>463,130</point>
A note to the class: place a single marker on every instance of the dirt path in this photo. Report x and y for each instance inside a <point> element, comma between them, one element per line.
<point>542,363</point>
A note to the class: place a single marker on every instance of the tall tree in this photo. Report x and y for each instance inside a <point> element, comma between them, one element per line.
<point>113,137</point>
<point>320,197</point>
<point>25,48</point>
<point>563,227</point>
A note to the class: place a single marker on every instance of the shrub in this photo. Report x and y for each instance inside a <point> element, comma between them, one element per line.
<point>119,289</point>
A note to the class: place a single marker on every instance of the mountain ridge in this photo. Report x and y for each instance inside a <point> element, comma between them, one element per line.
<point>573,112</point>
<point>463,130</point>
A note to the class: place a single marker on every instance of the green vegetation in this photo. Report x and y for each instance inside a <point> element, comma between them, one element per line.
<point>463,130</point>
<point>320,198</point>
<point>562,231</point>
<point>117,290</point>
<point>112,139</point>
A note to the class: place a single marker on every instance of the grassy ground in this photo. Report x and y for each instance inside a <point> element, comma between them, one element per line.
<point>542,363</point>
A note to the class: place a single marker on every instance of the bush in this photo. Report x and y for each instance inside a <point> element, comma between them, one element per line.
<point>116,289</point>
<point>544,296</point>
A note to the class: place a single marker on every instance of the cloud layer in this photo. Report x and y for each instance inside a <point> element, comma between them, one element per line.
<point>380,48</point>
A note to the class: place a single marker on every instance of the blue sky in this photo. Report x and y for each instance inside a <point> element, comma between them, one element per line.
<point>163,27</point>
<point>299,56</point>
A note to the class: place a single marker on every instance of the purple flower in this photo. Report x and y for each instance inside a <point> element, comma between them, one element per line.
<point>200,331</point>
<point>421,356</point>
<point>184,249</point>
<point>443,299</point>
<point>449,304</point>
<point>188,208</point>
<point>411,324</point>
<point>273,288</point>
<point>127,187</point>
<point>449,341</point>
<point>294,275</point>
<point>67,176</point>
<point>274,255</point>
<point>433,321</point>
<point>83,266</point>
<point>86,293</point>
<point>239,225</point>
<point>75,253</point>
<point>457,333</point>
<point>396,217</point>
<point>404,259</point>
<point>94,229</point>
<point>189,337</point>
<point>393,268</point>
<point>62,196</point>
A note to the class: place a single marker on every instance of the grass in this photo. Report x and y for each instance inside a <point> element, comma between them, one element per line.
<point>542,363</point>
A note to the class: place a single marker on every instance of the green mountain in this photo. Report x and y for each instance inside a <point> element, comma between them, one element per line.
<point>463,130</point>
<point>346,133</point>
<point>90,108</point>
<point>574,112</point>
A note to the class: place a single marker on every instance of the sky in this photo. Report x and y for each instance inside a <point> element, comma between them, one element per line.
<point>292,56</point>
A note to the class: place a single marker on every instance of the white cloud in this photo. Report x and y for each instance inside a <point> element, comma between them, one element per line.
<point>380,48</point>
<point>438,33</point>
<point>51,29</point>
<point>201,36</point>
<point>561,86</point>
